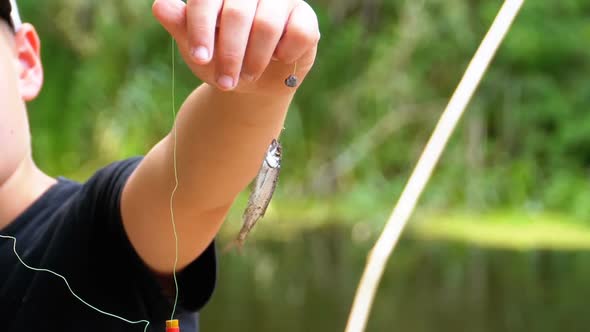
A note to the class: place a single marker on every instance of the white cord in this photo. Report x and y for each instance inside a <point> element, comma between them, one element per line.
<point>147,323</point>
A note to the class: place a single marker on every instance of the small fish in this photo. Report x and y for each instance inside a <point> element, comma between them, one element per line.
<point>264,187</point>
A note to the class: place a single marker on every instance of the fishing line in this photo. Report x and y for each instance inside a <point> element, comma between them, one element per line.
<point>175,130</point>
<point>290,81</point>
<point>147,323</point>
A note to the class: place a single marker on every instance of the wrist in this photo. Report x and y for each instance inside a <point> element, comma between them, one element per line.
<point>243,109</point>
<point>252,97</point>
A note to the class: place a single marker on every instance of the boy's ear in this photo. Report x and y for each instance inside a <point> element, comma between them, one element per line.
<point>28,49</point>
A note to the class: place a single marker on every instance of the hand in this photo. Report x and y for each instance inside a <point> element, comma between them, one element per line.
<point>243,45</point>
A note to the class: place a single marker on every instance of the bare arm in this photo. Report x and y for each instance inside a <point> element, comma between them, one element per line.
<point>221,140</point>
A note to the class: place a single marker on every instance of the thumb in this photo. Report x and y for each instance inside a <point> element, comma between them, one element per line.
<point>172,15</point>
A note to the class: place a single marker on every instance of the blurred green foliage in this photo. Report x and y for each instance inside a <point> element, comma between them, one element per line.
<point>383,75</point>
<point>384,67</point>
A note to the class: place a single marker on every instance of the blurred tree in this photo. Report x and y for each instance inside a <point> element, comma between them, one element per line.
<point>524,143</point>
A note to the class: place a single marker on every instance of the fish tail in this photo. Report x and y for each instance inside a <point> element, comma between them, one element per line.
<point>235,244</point>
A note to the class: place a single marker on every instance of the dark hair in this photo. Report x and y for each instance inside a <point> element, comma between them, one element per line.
<point>5,9</point>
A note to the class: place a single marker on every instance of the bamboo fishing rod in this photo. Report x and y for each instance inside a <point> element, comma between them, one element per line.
<point>402,211</point>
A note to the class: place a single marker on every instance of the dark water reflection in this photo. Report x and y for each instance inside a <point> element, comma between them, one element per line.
<point>307,284</point>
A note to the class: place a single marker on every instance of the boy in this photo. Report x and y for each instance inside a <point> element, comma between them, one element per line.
<point>111,237</point>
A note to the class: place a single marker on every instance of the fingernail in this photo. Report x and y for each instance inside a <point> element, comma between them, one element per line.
<point>225,82</point>
<point>274,58</point>
<point>200,53</point>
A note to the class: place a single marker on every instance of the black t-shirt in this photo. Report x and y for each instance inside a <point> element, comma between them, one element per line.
<point>76,230</point>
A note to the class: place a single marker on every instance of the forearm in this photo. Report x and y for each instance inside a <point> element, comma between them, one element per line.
<point>221,141</point>
<point>220,137</point>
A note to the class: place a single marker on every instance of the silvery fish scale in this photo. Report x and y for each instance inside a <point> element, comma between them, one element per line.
<point>264,187</point>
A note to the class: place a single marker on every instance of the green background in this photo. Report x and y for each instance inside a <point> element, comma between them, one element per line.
<point>499,241</point>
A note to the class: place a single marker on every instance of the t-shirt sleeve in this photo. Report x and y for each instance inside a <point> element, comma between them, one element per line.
<point>116,262</point>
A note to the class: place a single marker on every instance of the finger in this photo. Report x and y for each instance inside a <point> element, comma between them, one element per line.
<point>267,28</point>
<point>302,33</point>
<point>306,61</point>
<point>171,14</point>
<point>201,21</point>
<point>236,22</point>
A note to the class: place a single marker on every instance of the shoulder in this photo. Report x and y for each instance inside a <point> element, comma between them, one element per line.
<point>113,174</point>
<point>102,187</point>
